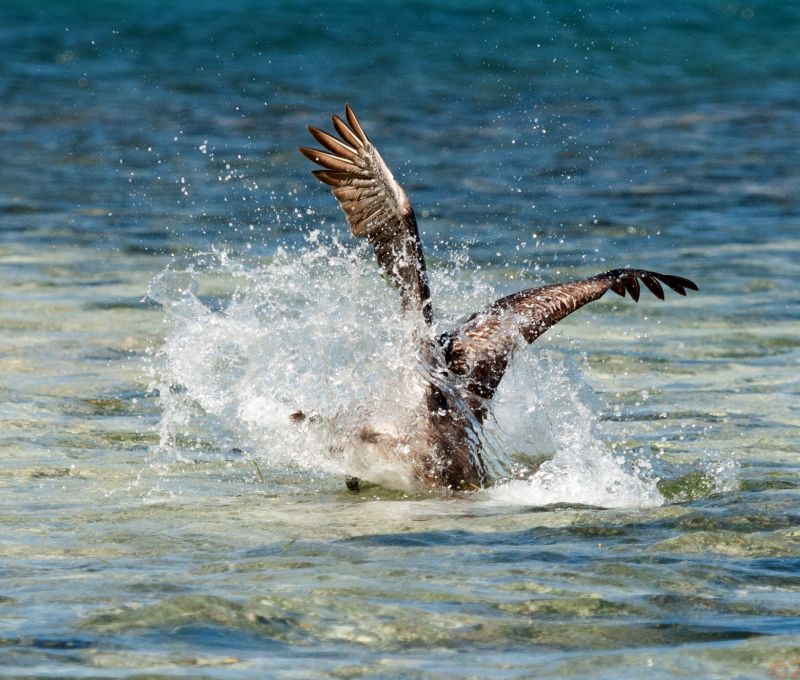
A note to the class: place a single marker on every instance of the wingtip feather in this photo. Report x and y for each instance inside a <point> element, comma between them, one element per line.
<point>653,285</point>
<point>337,146</point>
<point>354,124</point>
<point>346,133</point>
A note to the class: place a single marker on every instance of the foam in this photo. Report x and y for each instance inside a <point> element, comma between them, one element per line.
<point>316,330</point>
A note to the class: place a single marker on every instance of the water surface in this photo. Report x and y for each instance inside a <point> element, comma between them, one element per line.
<point>164,249</point>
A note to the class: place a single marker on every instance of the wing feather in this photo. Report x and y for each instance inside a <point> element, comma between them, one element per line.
<point>632,284</point>
<point>354,124</point>
<point>329,160</point>
<point>347,134</point>
<point>375,204</point>
<point>330,142</point>
<point>479,351</point>
<point>653,285</point>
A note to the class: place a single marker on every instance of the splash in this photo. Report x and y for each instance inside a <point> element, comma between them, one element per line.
<point>314,330</point>
<point>542,410</point>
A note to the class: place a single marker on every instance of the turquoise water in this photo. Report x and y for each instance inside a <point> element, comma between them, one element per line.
<point>173,283</point>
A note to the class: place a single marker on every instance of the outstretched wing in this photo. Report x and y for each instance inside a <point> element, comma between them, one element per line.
<point>481,348</point>
<point>376,206</point>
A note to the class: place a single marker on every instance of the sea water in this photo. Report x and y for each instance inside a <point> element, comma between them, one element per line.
<point>175,285</point>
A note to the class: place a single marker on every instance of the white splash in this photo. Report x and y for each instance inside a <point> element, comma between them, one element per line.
<point>541,408</point>
<point>317,331</point>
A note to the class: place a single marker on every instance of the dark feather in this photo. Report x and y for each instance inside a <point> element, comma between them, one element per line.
<point>632,284</point>
<point>652,283</point>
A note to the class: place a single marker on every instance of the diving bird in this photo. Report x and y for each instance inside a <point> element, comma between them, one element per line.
<point>465,365</point>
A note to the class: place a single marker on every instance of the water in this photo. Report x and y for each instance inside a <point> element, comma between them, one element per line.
<point>174,283</point>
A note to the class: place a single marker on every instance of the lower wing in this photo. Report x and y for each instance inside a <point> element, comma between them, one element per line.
<point>480,349</point>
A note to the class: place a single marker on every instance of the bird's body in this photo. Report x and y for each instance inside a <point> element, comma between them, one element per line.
<point>465,365</point>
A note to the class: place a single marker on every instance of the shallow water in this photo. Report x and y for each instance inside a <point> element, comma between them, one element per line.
<point>173,283</point>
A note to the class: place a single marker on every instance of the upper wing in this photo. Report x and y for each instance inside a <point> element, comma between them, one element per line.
<point>376,206</point>
<point>481,348</point>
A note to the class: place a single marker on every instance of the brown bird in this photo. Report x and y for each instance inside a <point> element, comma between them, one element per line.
<point>465,365</point>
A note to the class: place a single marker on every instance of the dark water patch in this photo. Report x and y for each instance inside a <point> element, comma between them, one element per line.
<point>19,208</point>
<point>68,650</point>
<point>201,619</point>
<point>531,557</point>
<point>259,636</point>
<point>597,531</point>
<point>122,304</point>
<point>109,354</point>
<point>551,507</point>
<point>419,539</point>
<point>743,523</point>
<point>137,249</point>
<point>215,303</point>
<point>101,406</point>
<point>679,633</point>
<point>100,439</point>
<point>789,567</point>
<point>772,483</point>
<point>98,282</point>
<point>599,636</point>
<point>635,415</point>
<point>307,554</point>
<point>52,473</point>
<point>729,605</point>
<point>47,643</point>
<point>523,539</point>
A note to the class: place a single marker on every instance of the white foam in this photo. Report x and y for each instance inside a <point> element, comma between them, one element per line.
<point>318,331</point>
<point>542,409</point>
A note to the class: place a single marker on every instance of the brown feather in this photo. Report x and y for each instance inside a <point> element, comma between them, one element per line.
<point>351,193</point>
<point>333,179</point>
<point>331,143</point>
<point>375,205</point>
<point>354,124</point>
<point>479,350</point>
<point>346,133</point>
<point>327,160</point>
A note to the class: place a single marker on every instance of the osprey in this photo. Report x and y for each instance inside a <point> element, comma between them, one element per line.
<point>465,365</point>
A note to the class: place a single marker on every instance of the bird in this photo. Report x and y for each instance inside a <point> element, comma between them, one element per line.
<point>465,364</point>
